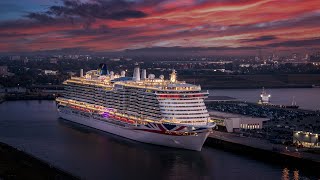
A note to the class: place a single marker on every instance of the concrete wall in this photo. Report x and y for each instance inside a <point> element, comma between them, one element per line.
<point>232,123</point>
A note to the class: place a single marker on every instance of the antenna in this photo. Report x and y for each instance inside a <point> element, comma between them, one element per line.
<point>293,101</point>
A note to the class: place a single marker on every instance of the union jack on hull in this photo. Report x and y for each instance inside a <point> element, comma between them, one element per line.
<point>170,129</point>
<point>161,128</point>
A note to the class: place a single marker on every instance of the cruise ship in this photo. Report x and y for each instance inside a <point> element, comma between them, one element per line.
<point>142,108</point>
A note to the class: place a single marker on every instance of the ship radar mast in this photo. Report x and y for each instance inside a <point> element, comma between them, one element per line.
<point>173,76</point>
<point>294,103</point>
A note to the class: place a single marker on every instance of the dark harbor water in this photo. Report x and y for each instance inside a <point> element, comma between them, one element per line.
<point>34,127</point>
<point>306,98</point>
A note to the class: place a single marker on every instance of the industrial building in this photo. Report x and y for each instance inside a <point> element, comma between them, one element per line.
<point>236,122</point>
<point>306,139</point>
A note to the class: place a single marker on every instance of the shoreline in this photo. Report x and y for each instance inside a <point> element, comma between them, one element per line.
<point>17,164</point>
<point>249,81</point>
<point>26,97</point>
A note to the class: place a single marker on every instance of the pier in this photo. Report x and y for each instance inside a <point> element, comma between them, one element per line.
<point>274,142</point>
<point>264,150</point>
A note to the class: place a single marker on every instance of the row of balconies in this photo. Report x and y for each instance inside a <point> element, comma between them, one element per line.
<point>180,101</point>
<point>204,118</point>
<point>195,113</point>
<point>183,108</point>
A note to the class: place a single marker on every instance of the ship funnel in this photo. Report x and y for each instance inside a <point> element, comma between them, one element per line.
<point>136,73</point>
<point>123,74</point>
<point>103,70</point>
<point>144,74</point>
<point>173,76</point>
<point>81,72</point>
<point>111,75</point>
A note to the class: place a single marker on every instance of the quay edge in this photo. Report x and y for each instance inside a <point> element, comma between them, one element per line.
<point>307,165</point>
<point>17,164</point>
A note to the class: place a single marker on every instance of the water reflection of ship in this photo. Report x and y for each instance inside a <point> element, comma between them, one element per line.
<point>125,153</point>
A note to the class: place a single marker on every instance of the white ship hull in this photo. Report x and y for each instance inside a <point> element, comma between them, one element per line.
<point>191,142</point>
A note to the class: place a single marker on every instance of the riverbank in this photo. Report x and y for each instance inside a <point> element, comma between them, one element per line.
<point>293,86</point>
<point>253,81</point>
<point>23,97</point>
<point>14,97</point>
<point>16,164</point>
<point>263,150</point>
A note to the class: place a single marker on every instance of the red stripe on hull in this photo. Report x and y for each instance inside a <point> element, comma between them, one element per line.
<point>180,128</point>
<point>160,126</point>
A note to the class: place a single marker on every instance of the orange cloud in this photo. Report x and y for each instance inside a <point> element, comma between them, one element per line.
<point>186,23</point>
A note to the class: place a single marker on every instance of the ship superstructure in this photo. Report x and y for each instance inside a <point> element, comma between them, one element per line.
<point>146,109</point>
<point>265,100</point>
<point>264,97</point>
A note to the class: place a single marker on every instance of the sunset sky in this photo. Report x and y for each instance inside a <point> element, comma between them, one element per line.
<point>228,26</point>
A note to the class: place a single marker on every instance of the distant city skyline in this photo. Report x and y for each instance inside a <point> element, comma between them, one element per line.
<point>219,27</point>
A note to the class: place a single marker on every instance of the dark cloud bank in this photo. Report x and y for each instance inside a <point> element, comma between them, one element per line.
<point>95,9</point>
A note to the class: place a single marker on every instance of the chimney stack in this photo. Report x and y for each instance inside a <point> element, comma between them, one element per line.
<point>123,74</point>
<point>136,73</point>
<point>111,75</point>
<point>81,72</point>
<point>144,74</point>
